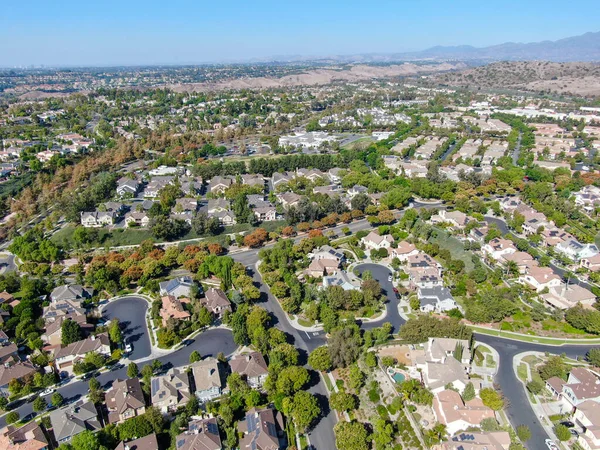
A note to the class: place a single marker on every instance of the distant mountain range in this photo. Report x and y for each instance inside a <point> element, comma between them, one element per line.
<point>578,48</point>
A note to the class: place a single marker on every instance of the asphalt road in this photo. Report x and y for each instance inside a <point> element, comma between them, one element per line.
<point>7,263</point>
<point>208,343</point>
<point>518,409</point>
<point>131,312</point>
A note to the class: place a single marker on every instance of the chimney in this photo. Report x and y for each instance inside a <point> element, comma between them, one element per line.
<point>248,358</point>
<point>93,337</point>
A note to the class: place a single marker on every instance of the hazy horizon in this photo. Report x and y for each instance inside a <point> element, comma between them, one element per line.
<point>73,34</point>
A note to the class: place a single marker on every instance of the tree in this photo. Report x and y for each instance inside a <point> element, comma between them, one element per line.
<point>469,392</point>
<point>292,379</point>
<point>114,332</point>
<point>195,357</point>
<point>524,433</point>
<point>344,346</point>
<point>593,357</point>
<point>535,386</point>
<point>491,398</point>
<point>553,367</point>
<point>351,436</point>
<point>57,400</point>
<point>341,401</point>
<point>70,332</point>
<point>303,408</point>
<point>319,359</point>
<point>356,378</point>
<point>85,440</point>
<point>383,433</point>
<point>562,432</point>
<point>12,417</point>
<point>132,370</point>
<point>371,359</point>
<point>39,404</point>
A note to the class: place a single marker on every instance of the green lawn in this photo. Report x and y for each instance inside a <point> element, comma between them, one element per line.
<point>583,340</point>
<point>522,372</point>
<point>446,241</point>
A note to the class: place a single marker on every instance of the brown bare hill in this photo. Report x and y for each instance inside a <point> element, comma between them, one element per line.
<point>575,78</point>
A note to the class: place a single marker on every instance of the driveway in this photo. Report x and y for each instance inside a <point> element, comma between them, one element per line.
<point>131,312</point>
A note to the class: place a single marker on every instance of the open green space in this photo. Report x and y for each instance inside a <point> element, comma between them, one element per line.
<point>448,242</point>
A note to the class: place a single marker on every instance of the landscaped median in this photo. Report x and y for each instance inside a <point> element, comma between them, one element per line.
<point>534,339</point>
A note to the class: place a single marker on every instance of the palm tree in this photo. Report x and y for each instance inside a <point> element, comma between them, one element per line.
<point>512,268</point>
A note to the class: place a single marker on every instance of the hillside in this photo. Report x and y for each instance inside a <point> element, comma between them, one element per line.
<point>575,78</point>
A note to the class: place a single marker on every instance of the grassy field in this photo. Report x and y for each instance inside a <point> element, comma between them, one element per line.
<point>135,236</point>
<point>522,372</point>
<point>454,246</point>
<point>583,340</point>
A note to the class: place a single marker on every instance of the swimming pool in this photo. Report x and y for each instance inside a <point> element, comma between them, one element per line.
<point>398,377</point>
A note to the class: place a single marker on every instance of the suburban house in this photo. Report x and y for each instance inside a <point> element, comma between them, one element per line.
<point>140,219</point>
<point>539,278</point>
<point>282,178</point>
<point>172,308</point>
<point>216,302</point>
<point>357,189</point>
<point>522,260</point>
<point>9,354</point>
<point>576,251</point>
<point>53,332</point>
<point>55,310</point>
<point>28,437</point>
<point>127,187</point>
<point>186,204</point>
<point>490,440</point>
<point>347,281</point>
<point>177,287</point>
<point>97,219</point>
<point>18,371</point>
<point>207,379</point>
<point>591,263</point>
<point>265,213</point>
<point>439,349</point>
<point>262,429</point>
<point>423,271</point>
<point>253,180</point>
<point>321,267</point>
<point>373,241</point>
<point>225,217</point>
<point>124,400</point>
<point>252,367</point>
<point>170,391</point>
<point>456,219</point>
<point>66,357</point>
<point>327,252</point>
<point>145,443</point>
<point>581,385</point>
<point>436,299</point>
<point>218,184</point>
<point>450,410</point>
<point>497,248</point>
<point>404,251</point>
<point>218,204</point>
<point>74,419</point>
<point>566,296</point>
<point>289,199</point>
<point>587,416</point>
<point>70,292</point>
<point>202,434</point>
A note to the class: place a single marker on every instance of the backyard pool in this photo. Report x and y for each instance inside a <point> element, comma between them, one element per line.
<point>398,377</point>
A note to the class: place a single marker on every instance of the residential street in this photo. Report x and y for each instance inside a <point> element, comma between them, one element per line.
<point>131,312</point>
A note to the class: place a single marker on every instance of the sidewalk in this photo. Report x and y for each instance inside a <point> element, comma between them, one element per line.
<point>511,335</point>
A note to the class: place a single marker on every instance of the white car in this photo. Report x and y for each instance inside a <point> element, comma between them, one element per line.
<point>47,391</point>
<point>551,445</point>
<point>128,348</point>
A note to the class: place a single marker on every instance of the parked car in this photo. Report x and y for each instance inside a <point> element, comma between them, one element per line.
<point>128,348</point>
<point>47,391</point>
<point>390,278</point>
<point>551,445</point>
<point>568,424</point>
<point>573,432</point>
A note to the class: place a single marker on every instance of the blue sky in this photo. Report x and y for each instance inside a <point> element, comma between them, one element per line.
<point>130,32</point>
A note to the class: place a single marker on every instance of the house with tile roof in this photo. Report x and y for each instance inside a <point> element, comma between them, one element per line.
<point>124,400</point>
<point>450,410</point>
<point>251,366</point>
<point>262,430</point>
<point>374,241</point>
<point>27,437</point>
<point>202,434</point>
<point>65,357</point>
<point>216,302</point>
<point>208,380</point>
<point>172,308</point>
<point>170,391</point>
<point>18,371</point>
<point>73,419</point>
<point>144,443</point>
